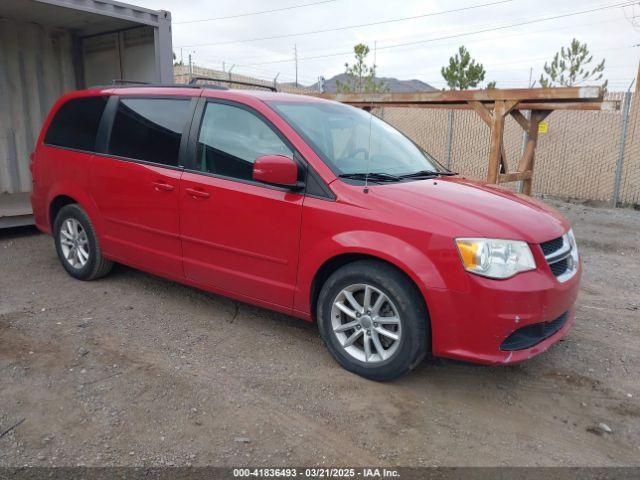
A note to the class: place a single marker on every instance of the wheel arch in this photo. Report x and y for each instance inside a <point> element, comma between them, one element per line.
<point>56,204</point>
<point>66,193</point>
<point>338,261</point>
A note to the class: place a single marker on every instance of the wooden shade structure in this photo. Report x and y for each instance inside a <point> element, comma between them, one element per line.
<point>493,106</point>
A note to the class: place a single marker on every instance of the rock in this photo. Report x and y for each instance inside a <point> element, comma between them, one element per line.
<point>603,427</point>
<point>242,440</point>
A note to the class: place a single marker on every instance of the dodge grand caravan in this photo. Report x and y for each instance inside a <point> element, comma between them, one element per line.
<point>308,207</point>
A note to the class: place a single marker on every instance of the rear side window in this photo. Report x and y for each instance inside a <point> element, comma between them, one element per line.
<point>149,129</point>
<point>75,124</point>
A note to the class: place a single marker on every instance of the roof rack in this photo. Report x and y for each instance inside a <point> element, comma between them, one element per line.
<point>121,84</point>
<point>193,81</point>
<point>122,81</point>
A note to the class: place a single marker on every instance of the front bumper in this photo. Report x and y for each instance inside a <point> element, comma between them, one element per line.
<point>474,324</point>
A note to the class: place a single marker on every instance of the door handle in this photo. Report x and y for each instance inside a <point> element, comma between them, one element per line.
<point>163,187</point>
<point>197,193</point>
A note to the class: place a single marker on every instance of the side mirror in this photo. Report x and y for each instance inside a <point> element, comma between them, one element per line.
<point>276,169</point>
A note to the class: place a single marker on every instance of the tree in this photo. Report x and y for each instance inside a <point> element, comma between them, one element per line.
<point>463,72</point>
<point>361,78</point>
<point>570,67</point>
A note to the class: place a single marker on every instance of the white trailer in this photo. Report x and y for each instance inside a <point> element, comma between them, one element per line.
<point>49,47</point>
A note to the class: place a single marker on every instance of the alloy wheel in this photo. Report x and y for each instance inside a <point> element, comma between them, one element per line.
<point>74,243</point>
<point>366,323</point>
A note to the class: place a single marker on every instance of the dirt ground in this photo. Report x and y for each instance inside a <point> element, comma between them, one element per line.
<point>136,370</point>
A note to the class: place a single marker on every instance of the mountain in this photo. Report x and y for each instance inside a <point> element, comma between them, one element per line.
<point>395,85</point>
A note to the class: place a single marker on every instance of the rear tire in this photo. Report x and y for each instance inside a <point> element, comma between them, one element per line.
<point>77,244</point>
<point>373,320</point>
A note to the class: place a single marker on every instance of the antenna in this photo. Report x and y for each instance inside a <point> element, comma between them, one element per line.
<point>366,177</point>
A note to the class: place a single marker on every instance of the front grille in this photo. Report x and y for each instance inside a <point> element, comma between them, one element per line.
<point>551,246</point>
<point>560,267</point>
<point>531,335</point>
<point>558,253</point>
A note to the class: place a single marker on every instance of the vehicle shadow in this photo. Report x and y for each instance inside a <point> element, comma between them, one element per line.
<point>276,324</point>
<point>18,232</point>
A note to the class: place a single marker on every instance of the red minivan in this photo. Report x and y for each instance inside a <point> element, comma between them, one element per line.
<point>309,207</point>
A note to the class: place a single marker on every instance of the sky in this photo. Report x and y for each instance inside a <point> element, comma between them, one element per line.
<point>405,48</point>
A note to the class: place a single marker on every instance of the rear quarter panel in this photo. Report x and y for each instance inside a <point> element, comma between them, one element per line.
<point>58,171</point>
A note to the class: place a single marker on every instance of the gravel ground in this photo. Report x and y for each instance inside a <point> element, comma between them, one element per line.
<point>136,370</point>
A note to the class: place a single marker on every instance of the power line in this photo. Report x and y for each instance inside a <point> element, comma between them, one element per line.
<point>254,13</point>
<point>458,35</point>
<point>333,50</point>
<point>350,26</point>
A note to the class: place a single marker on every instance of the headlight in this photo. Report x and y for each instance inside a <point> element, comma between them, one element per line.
<point>495,258</point>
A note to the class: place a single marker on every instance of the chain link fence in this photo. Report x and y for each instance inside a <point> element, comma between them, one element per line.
<point>584,155</point>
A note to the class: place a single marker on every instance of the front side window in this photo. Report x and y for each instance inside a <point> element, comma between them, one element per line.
<point>230,140</point>
<point>352,141</point>
<point>75,124</point>
<point>149,129</point>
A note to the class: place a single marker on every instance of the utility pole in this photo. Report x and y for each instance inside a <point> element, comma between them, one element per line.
<point>190,69</point>
<point>375,55</point>
<point>223,65</point>
<point>295,58</point>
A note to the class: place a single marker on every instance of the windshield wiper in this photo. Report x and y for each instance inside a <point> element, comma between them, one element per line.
<point>373,176</point>
<point>427,174</point>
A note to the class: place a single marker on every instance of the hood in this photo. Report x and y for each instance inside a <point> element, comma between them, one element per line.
<point>478,209</point>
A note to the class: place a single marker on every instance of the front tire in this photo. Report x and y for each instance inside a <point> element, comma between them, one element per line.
<point>373,320</point>
<point>77,244</point>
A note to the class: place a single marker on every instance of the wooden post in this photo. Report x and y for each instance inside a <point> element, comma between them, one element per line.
<point>528,158</point>
<point>495,149</point>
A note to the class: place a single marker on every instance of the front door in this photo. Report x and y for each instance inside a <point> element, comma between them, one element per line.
<point>238,235</point>
<point>135,183</point>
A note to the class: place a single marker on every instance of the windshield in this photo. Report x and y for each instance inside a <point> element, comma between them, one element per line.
<point>352,141</point>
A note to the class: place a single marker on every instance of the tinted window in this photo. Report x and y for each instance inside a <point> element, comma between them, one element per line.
<point>75,125</point>
<point>230,140</point>
<point>149,129</point>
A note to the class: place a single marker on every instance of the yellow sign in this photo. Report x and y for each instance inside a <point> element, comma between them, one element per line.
<point>543,127</point>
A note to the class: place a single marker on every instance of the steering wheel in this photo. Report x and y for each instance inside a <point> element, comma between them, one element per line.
<point>353,154</point>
